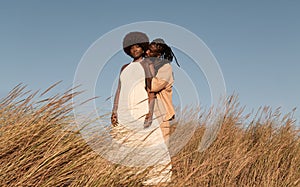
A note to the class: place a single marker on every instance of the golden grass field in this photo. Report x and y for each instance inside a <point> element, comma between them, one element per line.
<point>260,149</point>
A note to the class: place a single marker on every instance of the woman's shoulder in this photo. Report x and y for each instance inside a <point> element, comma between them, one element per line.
<point>124,66</point>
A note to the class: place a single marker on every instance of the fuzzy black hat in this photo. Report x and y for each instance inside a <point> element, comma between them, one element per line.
<point>135,38</point>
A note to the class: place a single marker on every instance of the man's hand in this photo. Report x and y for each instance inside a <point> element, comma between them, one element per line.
<point>148,120</point>
<point>114,119</point>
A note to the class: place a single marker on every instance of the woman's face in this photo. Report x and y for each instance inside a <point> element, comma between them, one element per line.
<point>136,51</point>
<point>152,51</point>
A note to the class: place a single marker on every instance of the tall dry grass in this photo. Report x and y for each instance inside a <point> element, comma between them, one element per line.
<point>37,149</point>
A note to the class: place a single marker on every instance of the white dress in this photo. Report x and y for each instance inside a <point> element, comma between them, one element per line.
<point>139,147</point>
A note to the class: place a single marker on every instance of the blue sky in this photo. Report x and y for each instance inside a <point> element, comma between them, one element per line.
<point>256,43</point>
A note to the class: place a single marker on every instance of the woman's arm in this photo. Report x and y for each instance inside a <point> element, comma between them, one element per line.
<point>114,115</point>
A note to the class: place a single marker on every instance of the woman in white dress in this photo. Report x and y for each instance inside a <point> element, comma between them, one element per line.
<point>141,146</point>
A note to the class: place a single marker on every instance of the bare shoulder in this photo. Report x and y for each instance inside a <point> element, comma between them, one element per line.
<point>124,66</point>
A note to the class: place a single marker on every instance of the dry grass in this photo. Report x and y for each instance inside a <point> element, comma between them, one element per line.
<point>37,150</point>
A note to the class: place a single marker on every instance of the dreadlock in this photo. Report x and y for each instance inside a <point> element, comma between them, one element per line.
<point>166,52</point>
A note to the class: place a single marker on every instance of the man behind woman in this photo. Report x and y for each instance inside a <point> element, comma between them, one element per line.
<point>161,85</point>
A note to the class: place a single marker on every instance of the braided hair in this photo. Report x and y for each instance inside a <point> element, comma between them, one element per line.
<point>165,51</point>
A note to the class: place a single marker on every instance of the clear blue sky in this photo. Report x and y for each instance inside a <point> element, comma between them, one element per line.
<point>256,43</point>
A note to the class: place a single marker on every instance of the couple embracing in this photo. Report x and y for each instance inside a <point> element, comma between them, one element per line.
<point>143,107</point>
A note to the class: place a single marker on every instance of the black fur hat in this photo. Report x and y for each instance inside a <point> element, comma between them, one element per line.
<point>134,38</point>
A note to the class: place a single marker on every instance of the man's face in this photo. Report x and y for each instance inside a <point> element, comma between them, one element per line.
<point>152,51</point>
<point>136,51</point>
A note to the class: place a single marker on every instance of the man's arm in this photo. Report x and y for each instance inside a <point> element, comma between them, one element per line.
<point>149,73</point>
<point>162,78</point>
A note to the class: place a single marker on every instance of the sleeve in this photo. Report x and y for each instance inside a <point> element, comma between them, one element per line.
<point>158,84</point>
<point>162,78</point>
